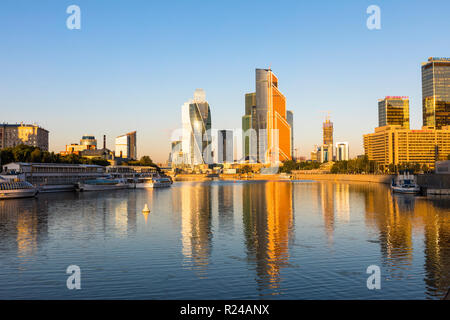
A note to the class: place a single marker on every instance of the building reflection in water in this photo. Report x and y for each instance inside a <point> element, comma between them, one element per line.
<point>268,223</point>
<point>21,223</point>
<point>196,219</point>
<point>397,218</point>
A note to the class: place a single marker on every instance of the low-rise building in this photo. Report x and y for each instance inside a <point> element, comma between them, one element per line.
<point>12,135</point>
<point>395,145</point>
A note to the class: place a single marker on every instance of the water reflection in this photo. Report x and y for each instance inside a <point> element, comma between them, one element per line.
<point>267,224</point>
<point>243,231</point>
<point>397,218</point>
<point>196,224</point>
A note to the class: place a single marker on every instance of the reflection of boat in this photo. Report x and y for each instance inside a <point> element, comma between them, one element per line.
<point>100,184</point>
<point>10,189</point>
<point>405,183</point>
<point>153,182</point>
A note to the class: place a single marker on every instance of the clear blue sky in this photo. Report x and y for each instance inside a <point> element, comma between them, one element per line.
<point>134,63</point>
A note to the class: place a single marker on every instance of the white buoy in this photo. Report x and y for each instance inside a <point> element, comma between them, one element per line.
<point>146,209</point>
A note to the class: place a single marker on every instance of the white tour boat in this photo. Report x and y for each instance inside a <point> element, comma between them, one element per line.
<point>101,184</point>
<point>405,183</point>
<point>11,189</point>
<point>153,182</point>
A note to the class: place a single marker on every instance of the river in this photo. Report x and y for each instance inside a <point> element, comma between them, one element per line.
<point>227,240</point>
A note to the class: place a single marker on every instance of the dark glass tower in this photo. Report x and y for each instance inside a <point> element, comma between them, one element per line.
<point>436,92</point>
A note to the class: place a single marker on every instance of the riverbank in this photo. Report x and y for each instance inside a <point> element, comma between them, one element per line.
<point>371,178</point>
<point>385,179</point>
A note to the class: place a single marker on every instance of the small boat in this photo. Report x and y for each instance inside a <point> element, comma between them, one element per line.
<point>153,182</point>
<point>101,184</point>
<point>405,183</point>
<point>12,189</point>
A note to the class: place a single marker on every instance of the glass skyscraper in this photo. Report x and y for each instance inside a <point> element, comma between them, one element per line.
<point>196,141</point>
<point>436,92</point>
<point>393,111</point>
<point>265,111</point>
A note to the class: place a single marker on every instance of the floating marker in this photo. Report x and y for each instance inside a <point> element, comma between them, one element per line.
<point>146,209</point>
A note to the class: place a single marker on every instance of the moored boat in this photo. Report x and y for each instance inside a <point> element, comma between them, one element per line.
<point>11,189</point>
<point>101,184</point>
<point>405,183</point>
<point>153,182</point>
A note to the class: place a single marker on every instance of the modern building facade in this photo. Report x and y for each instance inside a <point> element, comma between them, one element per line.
<point>393,110</point>
<point>266,112</point>
<point>290,120</point>
<point>396,145</point>
<point>436,92</point>
<point>225,148</point>
<point>196,137</point>
<point>126,147</point>
<point>342,151</point>
<point>12,135</point>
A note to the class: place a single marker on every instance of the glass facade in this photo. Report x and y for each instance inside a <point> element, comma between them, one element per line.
<point>196,116</point>
<point>436,92</point>
<point>393,111</point>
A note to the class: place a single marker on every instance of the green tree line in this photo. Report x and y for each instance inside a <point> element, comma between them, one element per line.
<point>24,153</point>
<point>290,165</point>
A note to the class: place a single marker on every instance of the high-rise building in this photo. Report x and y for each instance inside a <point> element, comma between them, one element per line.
<point>393,111</point>
<point>225,149</point>
<point>436,92</point>
<point>12,135</point>
<point>176,154</point>
<point>248,129</point>
<point>328,132</point>
<point>342,151</point>
<point>267,110</point>
<point>196,140</point>
<point>126,146</point>
<point>290,120</point>
<point>396,145</point>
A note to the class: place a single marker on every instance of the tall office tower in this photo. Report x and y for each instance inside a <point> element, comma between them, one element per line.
<point>290,120</point>
<point>196,141</point>
<point>12,135</point>
<point>126,146</point>
<point>272,129</point>
<point>225,147</point>
<point>176,154</point>
<point>436,92</point>
<point>342,151</point>
<point>393,111</point>
<point>327,132</point>
<point>248,133</point>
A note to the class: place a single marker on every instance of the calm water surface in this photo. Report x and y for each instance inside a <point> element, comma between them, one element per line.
<point>227,240</point>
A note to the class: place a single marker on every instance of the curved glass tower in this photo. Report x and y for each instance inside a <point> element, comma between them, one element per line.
<point>196,142</point>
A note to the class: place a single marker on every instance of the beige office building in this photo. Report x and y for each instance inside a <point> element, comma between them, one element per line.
<point>12,135</point>
<point>395,145</point>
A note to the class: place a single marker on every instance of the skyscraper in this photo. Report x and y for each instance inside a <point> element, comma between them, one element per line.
<point>196,140</point>
<point>393,111</point>
<point>225,147</point>
<point>290,120</point>
<point>267,110</point>
<point>436,92</point>
<point>327,132</point>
